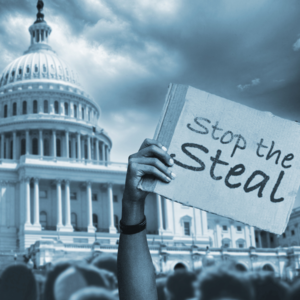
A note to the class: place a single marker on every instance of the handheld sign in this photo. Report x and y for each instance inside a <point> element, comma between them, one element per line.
<point>230,160</point>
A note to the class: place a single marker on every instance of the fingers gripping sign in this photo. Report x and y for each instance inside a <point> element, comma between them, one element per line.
<point>151,159</point>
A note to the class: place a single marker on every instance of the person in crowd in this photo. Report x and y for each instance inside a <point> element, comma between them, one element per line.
<point>51,277</point>
<point>294,292</point>
<point>224,282</point>
<point>136,275</point>
<point>160,286</point>
<point>180,285</point>
<point>93,293</point>
<point>78,277</point>
<point>267,287</point>
<point>18,283</point>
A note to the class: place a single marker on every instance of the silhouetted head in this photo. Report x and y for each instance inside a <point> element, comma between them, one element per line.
<point>93,293</point>
<point>294,293</point>
<point>223,282</point>
<point>267,287</point>
<point>51,277</point>
<point>107,262</point>
<point>179,284</point>
<point>18,282</point>
<point>76,278</point>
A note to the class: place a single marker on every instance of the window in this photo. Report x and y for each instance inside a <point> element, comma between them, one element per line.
<point>95,197</point>
<point>37,36</point>
<point>46,148</point>
<point>95,220</point>
<point>74,220</point>
<point>73,196</point>
<point>115,198</point>
<point>225,245</point>
<point>44,68</point>
<point>82,113</point>
<point>186,228</point>
<point>43,219</point>
<point>5,111</point>
<point>56,107</point>
<point>13,73</point>
<point>271,239</point>
<point>66,109</point>
<point>43,194</point>
<point>46,108</point>
<point>293,232</point>
<point>85,151</point>
<point>35,106</point>
<point>89,115</point>
<point>239,228</point>
<point>284,235</point>
<point>11,149</point>
<point>15,109</point>
<point>27,69</point>
<point>24,108</point>
<point>225,228</point>
<point>23,147</point>
<point>36,69</point>
<point>58,148</point>
<point>75,111</point>
<point>35,149</point>
<point>241,245</point>
<point>42,36</point>
<point>20,71</point>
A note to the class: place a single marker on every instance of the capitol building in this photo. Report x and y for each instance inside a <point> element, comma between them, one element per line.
<point>61,195</point>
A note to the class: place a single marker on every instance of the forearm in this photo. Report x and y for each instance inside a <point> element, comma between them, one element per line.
<point>136,277</point>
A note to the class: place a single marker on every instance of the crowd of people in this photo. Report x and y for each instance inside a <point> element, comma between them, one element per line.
<point>131,275</point>
<point>97,279</point>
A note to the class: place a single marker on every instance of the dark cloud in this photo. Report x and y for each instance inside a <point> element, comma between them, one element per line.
<point>127,52</point>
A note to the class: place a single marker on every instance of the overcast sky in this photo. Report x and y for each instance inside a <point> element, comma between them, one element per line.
<point>127,52</point>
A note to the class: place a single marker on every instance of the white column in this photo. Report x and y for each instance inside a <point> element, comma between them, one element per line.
<point>204,222</point>
<point>2,145</point>
<point>89,148</point>
<point>14,145</point>
<point>173,213</point>
<point>54,143</point>
<point>27,142</point>
<point>159,214</point>
<point>78,146</point>
<point>71,109</point>
<point>233,237</point>
<point>90,227</point>
<point>59,205</point>
<point>97,149</point>
<point>27,200</point>
<point>218,235</point>
<point>73,150</point>
<point>194,220</point>
<point>252,231</point>
<point>36,205</point>
<point>67,144</point>
<point>41,143</point>
<point>68,225</point>
<point>112,228</point>
<point>247,236</point>
<point>167,218</point>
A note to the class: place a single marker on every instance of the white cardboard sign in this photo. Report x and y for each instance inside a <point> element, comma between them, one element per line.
<point>230,160</point>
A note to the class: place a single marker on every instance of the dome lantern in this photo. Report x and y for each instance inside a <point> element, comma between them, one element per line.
<point>39,32</point>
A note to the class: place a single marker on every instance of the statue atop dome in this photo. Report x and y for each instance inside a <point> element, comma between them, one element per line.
<point>39,15</point>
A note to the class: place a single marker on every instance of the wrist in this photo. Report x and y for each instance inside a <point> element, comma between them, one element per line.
<point>132,212</point>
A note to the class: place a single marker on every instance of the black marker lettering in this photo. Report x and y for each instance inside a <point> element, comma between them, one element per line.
<point>216,161</point>
<point>261,185</point>
<point>235,171</point>
<point>287,157</point>
<point>270,154</point>
<point>230,138</point>
<point>189,154</point>
<point>276,187</point>
<point>260,145</point>
<point>197,121</point>
<point>237,144</point>
<point>215,128</point>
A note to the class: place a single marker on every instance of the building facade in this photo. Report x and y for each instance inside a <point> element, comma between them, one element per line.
<point>61,194</point>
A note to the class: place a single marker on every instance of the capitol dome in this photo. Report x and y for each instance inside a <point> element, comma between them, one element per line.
<point>40,65</point>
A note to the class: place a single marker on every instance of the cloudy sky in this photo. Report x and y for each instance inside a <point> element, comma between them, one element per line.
<point>127,52</point>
